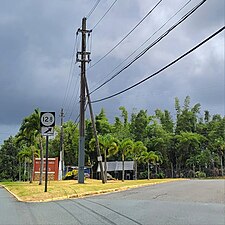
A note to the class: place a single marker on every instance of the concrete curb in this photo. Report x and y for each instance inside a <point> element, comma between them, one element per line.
<point>13,194</point>
<point>93,193</point>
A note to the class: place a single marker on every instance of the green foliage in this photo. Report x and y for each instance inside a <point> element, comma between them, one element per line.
<point>102,124</point>
<point>138,126</point>
<point>9,160</point>
<point>200,174</point>
<point>176,147</point>
<point>71,143</point>
<point>71,175</point>
<point>143,175</point>
<point>186,117</point>
<point>160,175</point>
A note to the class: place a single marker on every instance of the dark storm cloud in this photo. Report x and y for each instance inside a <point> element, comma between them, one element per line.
<point>37,38</point>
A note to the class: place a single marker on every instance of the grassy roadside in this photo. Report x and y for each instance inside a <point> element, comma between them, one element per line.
<point>25,191</point>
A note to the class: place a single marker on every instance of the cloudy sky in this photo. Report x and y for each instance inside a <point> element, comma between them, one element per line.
<point>37,63</point>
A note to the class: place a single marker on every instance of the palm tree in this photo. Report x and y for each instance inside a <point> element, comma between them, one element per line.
<point>149,158</point>
<point>25,156</point>
<point>136,152</point>
<point>125,147</point>
<point>220,145</point>
<point>30,132</point>
<point>108,147</point>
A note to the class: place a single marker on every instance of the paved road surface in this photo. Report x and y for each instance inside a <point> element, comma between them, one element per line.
<point>199,202</point>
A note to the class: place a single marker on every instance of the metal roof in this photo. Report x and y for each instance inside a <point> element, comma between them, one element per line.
<point>117,166</point>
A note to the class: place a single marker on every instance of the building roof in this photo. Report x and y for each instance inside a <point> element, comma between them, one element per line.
<point>117,166</point>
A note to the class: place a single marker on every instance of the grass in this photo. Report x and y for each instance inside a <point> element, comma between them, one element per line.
<point>32,192</point>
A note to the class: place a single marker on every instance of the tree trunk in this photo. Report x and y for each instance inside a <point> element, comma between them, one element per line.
<point>20,170</point>
<point>172,170</point>
<point>105,167</point>
<point>25,170</point>
<point>28,171</point>
<point>135,164</point>
<point>221,164</point>
<point>41,165</point>
<point>32,167</point>
<point>122,167</point>
<point>148,171</point>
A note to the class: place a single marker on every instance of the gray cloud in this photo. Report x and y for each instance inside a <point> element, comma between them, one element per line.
<point>37,38</point>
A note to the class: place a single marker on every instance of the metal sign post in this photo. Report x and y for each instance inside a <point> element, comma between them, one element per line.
<point>46,165</point>
<point>47,122</point>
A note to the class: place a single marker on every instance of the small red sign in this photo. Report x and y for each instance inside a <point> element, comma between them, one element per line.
<point>53,168</point>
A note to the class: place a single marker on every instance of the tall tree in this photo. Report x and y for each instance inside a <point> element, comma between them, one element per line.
<point>149,158</point>
<point>220,146</point>
<point>30,132</point>
<point>125,147</point>
<point>102,124</point>
<point>136,152</point>
<point>187,144</point>
<point>9,164</point>
<point>165,119</point>
<point>139,123</point>
<point>108,147</point>
<point>186,117</point>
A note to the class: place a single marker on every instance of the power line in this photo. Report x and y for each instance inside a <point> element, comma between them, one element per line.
<point>140,46</point>
<point>93,9</point>
<point>127,34</point>
<point>152,44</point>
<point>164,68</point>
<point>104,15</point>
<point>75,100</point>
<point>69,81</point>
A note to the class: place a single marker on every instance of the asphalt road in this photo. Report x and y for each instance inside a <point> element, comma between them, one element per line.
<point>199,202</point>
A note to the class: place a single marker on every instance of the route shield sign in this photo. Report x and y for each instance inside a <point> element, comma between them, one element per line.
<point>47,121</point>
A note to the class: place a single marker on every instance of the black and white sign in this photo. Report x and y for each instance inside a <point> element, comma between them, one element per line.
<point>47,131</point>
<point>47,119</point>
<point>47,122</point>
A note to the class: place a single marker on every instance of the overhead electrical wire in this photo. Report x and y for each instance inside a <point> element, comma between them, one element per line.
<point>74,99</point>
<point>140,46</point>
<point>93,9</point>
<point>152,44</point>
<point>162,69</point>
<point>75,102</point>
<point>127,34</point>
<point>104,15</point>
<point>69,81</point>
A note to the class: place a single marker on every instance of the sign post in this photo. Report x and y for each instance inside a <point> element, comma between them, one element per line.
<point>47,122</point>
<point>46,165</point>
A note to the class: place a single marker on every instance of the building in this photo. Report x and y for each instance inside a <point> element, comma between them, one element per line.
<point>115,169</point>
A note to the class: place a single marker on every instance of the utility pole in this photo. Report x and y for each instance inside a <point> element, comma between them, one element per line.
<point>83,61</point>
<point>85,58</point>
<point>61,162</point>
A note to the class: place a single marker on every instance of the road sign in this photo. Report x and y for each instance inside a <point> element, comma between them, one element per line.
<point>47,119</point>
<point>47,131</point>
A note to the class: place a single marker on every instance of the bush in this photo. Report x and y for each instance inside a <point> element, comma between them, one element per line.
<point>71,175</point>
<point>143,175</point>
<point>191,174</point>
<point>160,175</point>
<point>200,174</point>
